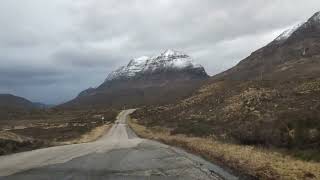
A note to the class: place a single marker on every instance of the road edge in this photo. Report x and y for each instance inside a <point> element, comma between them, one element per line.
<point>214,169</point>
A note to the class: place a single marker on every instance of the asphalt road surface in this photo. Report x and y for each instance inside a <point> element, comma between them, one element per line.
<point>119,154</point>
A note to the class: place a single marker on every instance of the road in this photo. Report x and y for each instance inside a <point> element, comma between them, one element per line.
<point>119,154</point>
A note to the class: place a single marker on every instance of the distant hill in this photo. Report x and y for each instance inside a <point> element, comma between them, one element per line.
<point>11,101</point>
<point>12,106</point>
<point>145,81</point>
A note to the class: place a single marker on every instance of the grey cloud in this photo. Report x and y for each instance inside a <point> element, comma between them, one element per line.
<point>182,23</point>
<point>51,50</point>
<point>87,58</point>
<point>21,75</point>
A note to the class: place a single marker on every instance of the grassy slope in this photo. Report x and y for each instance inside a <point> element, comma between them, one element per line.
<point>256,162</point>
<point>91,136</point>
<point>284,114</point>
<point>272,119</point>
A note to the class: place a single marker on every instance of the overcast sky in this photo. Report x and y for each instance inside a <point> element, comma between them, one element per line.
<point>52,50</point>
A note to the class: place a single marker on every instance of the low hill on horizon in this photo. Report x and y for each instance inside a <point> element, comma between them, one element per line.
<point>12,101</point>
<point>11,106</point>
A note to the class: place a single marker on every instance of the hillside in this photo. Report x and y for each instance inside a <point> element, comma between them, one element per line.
<point>271,98</point>
<point>13,106</point>
<point>294,54</point>
<point>11,101</point>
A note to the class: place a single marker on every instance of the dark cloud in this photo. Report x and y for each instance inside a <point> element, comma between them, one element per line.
<point>87,58</point>
<point>51,50</point>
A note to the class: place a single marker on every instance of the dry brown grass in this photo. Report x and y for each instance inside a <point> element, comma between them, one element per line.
<point>11,136</point>
<point>256,162</point>
<point>91,136</point>
<point>13,143</point>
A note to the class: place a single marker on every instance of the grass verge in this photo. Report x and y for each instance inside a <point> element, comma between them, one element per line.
<point>91,136</point>
<point>14,143</point>
<point>257,163</point>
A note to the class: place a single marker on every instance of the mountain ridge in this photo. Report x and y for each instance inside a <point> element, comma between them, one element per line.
<point>144,65</point>
<point>294,56</point>
<point>161,79</point>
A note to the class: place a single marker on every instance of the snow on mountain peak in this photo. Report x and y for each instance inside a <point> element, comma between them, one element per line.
<point>170,52</point>
<point>316,17</point>
<point>169,59</point>
<point>138,62</point>
<point>141,59</point>
<point>287,33</point>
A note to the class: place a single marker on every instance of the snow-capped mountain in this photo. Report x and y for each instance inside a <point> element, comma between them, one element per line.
<point>166,61</point>
<point>161,79</point>
<point>313,21</point>
<point>315,17</point>
<point>287,33</point>
<point>293,54</point>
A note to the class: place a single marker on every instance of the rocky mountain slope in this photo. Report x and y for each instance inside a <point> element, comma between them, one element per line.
<point>271,98</point>
<point>144,81</point>
<point>294,54</point>
<point>169,61</point>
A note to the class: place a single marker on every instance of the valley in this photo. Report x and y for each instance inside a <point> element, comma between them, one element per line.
<point>260,119</point>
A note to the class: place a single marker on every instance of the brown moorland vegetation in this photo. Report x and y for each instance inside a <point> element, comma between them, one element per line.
<point>250,161</point>
<point>279,117</point>
<point>42,128</point>
<point>283,114</point>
